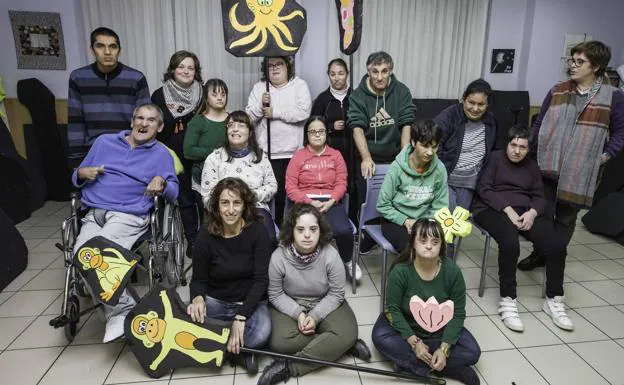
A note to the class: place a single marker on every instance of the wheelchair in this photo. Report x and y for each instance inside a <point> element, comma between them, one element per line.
<point>164,262</point>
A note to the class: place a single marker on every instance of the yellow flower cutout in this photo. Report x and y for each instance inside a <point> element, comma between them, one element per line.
<point>455,224</point>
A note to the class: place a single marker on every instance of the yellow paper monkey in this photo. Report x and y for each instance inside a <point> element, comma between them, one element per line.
<point>110,270</point>
<point>176,334</point>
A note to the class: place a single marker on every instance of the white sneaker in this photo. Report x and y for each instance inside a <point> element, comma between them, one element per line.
<point>114,328</point>
<point>508,310</point>
<point>555,308</point>
<point>358,271</point>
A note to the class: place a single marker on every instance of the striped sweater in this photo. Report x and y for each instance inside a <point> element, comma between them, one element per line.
<point>101,103</point>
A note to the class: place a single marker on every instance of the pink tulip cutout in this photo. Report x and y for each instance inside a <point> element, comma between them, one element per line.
<point>431,315</point>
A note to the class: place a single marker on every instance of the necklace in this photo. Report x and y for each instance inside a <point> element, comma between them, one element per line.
<point>424,276</point>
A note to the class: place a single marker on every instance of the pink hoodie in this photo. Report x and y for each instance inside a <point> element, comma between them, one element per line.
<point>309,173</point>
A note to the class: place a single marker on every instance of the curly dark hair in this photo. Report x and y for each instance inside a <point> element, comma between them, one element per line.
<point>242,117</point>
<point>422,228</point>
<point>287,229</point>
<point>213,221</point>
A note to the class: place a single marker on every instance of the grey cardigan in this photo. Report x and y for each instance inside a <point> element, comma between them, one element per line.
<point>316,288</point>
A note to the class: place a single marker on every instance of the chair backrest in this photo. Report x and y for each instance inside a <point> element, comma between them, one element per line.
<point>368,210</point>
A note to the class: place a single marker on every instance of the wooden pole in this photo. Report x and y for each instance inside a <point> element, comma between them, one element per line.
<point>304,360</point>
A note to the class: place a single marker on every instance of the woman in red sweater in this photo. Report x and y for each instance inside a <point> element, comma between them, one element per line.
<point>317,174</point>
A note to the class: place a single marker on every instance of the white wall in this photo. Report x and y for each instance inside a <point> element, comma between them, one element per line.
<point>508,16</point>
<point>552,20</point>
<point>537,29</point>
<point>75,45</point>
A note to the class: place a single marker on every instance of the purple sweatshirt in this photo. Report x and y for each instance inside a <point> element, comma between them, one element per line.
<point>127,172</point>
<point>504,183</point>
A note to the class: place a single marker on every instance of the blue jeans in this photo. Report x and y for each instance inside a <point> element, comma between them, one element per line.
<point>465,352</point>
<point>257,327</point>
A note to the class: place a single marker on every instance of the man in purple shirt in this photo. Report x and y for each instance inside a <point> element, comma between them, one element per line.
<point>118,179</point>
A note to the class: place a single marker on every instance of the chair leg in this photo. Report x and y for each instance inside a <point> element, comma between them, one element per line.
<point>456,249</point>
<point>354,261</point>
<point>544,284</point>
<point>486,255</point>
<point>384,272</point>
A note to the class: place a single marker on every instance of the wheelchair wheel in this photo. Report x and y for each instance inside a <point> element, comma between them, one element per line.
<point>73,315</point>
<point>81,289</point>
<point>172,233</point>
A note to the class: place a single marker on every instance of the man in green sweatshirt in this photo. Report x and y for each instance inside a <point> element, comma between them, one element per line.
<point>380,115</point>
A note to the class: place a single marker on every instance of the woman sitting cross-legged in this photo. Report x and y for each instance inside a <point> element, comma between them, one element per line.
<point>414,186</point>
<point>241,157</point>
<point>317,175</point>
<point>510,201</point>
<point>414,332</point>
<point>306,288</point>
<point>230,263</point>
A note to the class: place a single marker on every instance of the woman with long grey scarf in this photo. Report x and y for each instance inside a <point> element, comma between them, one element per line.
<point>180,98</point>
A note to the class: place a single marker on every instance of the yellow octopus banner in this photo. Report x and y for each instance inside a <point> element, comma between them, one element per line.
<point>263,27</point>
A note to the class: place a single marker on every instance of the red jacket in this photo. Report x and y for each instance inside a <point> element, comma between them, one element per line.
<point>309,173</point>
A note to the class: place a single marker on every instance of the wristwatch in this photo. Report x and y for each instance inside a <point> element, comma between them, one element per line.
<point>446,349</point>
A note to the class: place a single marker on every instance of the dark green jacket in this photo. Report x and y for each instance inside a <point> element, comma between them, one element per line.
<point>381,117</point>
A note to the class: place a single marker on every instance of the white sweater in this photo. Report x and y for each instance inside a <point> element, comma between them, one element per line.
<point>291,105</point>
<point>258,176</point>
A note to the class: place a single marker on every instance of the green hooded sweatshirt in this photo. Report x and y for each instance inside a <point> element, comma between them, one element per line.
<point>407,194</point>
<point>381,117</point>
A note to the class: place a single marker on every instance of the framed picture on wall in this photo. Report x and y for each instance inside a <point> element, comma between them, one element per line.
<point>502,61</point>
<point>38,40</point>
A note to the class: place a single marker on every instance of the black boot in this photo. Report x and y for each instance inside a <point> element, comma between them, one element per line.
<point>464,374</point>
<point>532,261</point>
<point>246,360</point>
<point>360,350</point>
<point>278,371</point>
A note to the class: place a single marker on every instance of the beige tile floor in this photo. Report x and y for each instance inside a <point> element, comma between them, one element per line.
<point>31,352</point>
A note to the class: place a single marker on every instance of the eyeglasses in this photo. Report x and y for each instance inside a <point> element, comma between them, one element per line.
<point>575,62</point>
<point>317,132</point>
<point>277,66</point>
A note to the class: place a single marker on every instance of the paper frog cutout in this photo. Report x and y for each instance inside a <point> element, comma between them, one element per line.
<point>430,315</point>
<point>456,224</point>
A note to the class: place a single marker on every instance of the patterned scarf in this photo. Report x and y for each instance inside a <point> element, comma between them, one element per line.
<point>304,258</point>
<point>570,141</point>
<point>241,153</point>
<point>181,101</point>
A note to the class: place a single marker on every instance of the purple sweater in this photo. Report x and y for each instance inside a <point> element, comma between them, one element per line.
<point>127,172</point>
<point>504,183</point>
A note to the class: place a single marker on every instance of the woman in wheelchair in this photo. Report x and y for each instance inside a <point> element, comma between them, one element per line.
<point>230,262</point>
<point>118,178</point>
<point>317,175</point>
<point>241,157</point>
<point>414,186</point>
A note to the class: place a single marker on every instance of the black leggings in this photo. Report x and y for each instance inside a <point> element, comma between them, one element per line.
<point>545,239</point>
